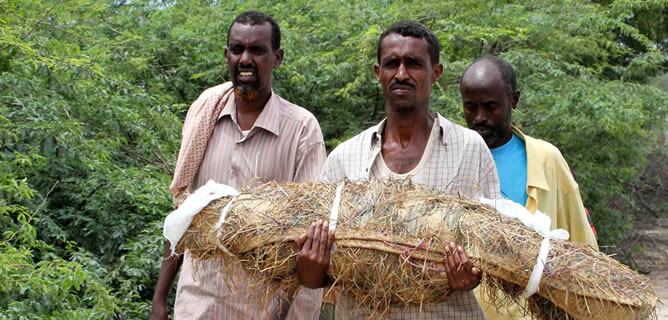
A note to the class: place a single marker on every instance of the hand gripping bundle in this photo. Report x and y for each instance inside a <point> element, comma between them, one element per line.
<point>390,238</point>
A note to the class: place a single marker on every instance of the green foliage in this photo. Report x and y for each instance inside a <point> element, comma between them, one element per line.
<point>92,97</point>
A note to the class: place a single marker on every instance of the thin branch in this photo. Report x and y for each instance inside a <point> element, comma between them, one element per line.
<point>41,20</point>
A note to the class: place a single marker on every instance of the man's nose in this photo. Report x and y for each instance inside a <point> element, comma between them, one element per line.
<point>480,116</point>
<point>402,73</point>
<point>245,57</point>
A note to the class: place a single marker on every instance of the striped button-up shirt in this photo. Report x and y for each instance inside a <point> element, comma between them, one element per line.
<point>458,162</point>
<point>285,144</point>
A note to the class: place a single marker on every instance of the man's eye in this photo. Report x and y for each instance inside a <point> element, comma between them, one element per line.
<point>236,50</point>
<point>390,63</point>
<point>258,50</point>
<point>413,63</point>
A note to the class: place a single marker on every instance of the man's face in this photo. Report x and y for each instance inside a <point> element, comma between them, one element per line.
<point>405,71</point>
<point>488,104</point>
<point>251,59</point>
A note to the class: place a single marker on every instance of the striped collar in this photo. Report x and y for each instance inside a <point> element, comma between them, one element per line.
<point>269,119</point>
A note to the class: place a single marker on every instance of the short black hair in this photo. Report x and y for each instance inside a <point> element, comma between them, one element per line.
<point>505,68</point>
<point>254,18</point>
<point>416,30</point>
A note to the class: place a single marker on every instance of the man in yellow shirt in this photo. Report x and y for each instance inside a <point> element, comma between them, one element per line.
<point>532,172</point>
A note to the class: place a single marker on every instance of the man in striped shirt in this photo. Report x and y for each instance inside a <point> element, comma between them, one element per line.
<point>414,143</point>
<point>237,134</point>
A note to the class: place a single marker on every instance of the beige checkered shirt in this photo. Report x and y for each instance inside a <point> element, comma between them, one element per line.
<point>458,163</point>
<point>284,144</point>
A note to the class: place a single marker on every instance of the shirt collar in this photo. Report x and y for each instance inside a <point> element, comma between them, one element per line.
<point>269,118</point>
<point>443,123</point>
<point>535,160</point>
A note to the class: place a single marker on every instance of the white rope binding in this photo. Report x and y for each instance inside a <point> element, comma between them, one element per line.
<point>223,215</point>
<point>334,213</point>
<point>538,222</point>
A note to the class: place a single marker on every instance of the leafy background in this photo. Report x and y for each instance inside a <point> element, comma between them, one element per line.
<point>93,95</point>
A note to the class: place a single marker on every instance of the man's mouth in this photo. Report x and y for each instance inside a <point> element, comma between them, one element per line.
<point>483,131</point>
<point>246,75</point>
<point>401,88</point>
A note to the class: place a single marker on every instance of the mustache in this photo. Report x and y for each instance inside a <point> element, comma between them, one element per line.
<point>395,83</point>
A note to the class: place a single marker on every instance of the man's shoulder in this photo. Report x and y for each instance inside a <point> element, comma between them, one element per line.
<point>463,136</point>
<point>356,144</point>
<point>347,160</point>
<point>293,111</point>
<point>543,148</point>
<point>217,91</point>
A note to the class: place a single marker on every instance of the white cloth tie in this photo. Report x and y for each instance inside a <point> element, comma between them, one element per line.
<point>178,221</point>
<point>538,222</point>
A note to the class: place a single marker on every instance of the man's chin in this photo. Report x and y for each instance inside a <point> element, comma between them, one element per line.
<point>245,92</point>
<point>491,141</point>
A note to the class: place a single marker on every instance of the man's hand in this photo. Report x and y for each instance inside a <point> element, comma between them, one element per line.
<point>314,252</point>
<point>462,275</point>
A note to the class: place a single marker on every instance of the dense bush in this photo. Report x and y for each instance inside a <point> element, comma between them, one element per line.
<point>92,96</point>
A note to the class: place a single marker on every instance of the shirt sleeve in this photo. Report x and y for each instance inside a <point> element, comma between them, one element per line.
<point>571,211</point>
<point>333,171</point>
<point>489,180</point>
<point>311,154</point>
<point>306,304</point>
<point>570,205</point>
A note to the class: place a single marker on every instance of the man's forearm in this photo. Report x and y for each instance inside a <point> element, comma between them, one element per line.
<point>168,270</point>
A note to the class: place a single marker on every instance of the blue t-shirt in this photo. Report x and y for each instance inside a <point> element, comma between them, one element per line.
<point>511,166</point>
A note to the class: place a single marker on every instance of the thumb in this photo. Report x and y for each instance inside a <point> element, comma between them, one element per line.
<point>299,242</point>
<point>475,271</point>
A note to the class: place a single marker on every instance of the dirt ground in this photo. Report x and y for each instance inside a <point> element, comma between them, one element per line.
<point>647,250</point>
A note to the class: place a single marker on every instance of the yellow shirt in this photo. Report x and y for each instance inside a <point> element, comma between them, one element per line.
<point>553,191</point>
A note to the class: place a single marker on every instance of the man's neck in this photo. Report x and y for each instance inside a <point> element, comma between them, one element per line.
<point>249,111</point>
<point>408,128</point>
<point>405,138</point>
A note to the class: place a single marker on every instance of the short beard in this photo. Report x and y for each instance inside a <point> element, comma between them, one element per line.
<point>245,92</point>
<point>493,136</point>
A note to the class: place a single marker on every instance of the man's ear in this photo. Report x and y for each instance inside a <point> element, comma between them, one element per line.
<point>436,72</point>
<point>278,54</point>
<point>516,98</point>
<point>376,70</point>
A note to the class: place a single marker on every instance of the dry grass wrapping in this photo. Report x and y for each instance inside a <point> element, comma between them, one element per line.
<point>390,239</point>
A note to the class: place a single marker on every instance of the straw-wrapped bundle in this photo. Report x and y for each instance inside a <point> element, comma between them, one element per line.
<point>389,249</point>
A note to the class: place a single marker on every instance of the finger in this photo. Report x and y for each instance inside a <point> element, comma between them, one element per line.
<point>476,271</point>
<point>461,259</point>
<point>467,264</point>
<point>315,246</point>
<point>323,239</point>
<point>309,238</point>
<point>447,262</point>
<point>452,258</point>
<point>331,238</point>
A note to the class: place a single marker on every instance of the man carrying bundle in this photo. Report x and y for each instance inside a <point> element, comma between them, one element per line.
<point>414,143</point>
<point>532,172</point>
<point>235,133</point>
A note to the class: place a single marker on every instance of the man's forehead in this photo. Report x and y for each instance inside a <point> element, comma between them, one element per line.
<point>395,43</point>
<point>483,74</point>
<point>259,33</point>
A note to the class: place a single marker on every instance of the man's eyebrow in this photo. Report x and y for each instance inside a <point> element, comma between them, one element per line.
<point>416,58</point>
<point>392,57</point>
